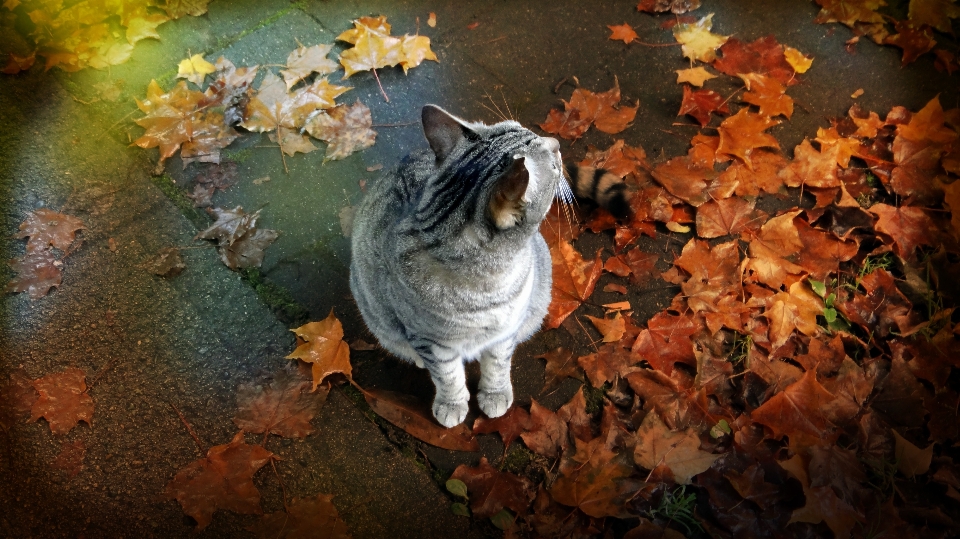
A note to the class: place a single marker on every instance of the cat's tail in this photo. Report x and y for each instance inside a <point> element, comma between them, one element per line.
<point>608,190</point>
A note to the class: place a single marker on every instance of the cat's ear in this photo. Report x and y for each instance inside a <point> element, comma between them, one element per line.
<point>442,129</point>
<point>507,201</point>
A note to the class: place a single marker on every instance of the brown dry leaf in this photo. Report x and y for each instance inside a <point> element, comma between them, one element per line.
<point>587,108</point>
<point>230,89</point>
<point>490,490</point>
<point>303,61</point>
<point>623,32</point>
<point>37,272</point>
<point>907,226</point>
<point>221,480</point>
<point>697,43</point>
<point>911,460</point>
<point>63,400</point>
<point>761,178</point>
<point>934,13</point>
<point>47,228</point>
<point>668,340</point>
<point>346,129</point>
<point>729,216</point>
<point>70,458</point>
<point>596,479</point>
<point>515,421</point>
<point>303,519</point>
<point>690,180</point>
<point>321,344</point>
<point>797,412</point>
<point>914,39</point>
<point>612,329</point>
<point>240,243</point>
<point>742,133</point>
<point>573,281</point>
<point>561,363</point>
<point>658,445</point>
<point>607,363</point>
<point>694,75</point>
<point>700,103</point>
<point>166,263</point>
<point>17,63</point>
<point>547,434</point>
<point>619,159</point>
<point>174,119</point>
<point>764,56</point>
<point>285,407</point>
<point>675,6</point>
<point>768,94</point>
<point>413,417</point>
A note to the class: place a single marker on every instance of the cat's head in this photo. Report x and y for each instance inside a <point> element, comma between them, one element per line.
<point>509,174</point>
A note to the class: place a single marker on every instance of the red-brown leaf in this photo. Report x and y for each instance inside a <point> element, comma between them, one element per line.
<point>412,416</point>
<point>509,425</point>
<point>490,490</point>
<point>63,400</point>
<point>285,407</point>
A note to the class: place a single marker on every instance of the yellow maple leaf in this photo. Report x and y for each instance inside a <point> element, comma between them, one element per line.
<point>371,51</point>
<point>377,25</point>
<point>194,69</point>
<point>797,60</point>
<point>415,50</point>
<point>144,27</point>
<point>697,42</point>
<point>695,76</point>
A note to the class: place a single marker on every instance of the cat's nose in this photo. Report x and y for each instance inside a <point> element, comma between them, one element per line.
<point>551,144</point>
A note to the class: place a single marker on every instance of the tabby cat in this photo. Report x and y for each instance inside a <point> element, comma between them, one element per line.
<point>448,262</point>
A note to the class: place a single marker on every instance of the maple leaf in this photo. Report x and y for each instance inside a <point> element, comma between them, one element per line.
<point>574,414</point>
<point>678,406</point>
<point>822,503</point>
<point>70,458</point>
<point>240,243</point>
<point>230,90</point>
<point>797,412</point>
<point>63,400</point>
<point>690,180</point>
<point>173,119</point>
<point>143,26</point>
<point>696,41</point>
<point>768,94</point>
<point>37,272</point>
<point>515,421</point>
<point>606,364</point>
<point>727,216</point>
<point>18,63</point>
<point>797,309</point>
<point>491,490</point>
<point>596,479</point>
<point>850,12</point>
<point>284,407</point>
<point>619,159</point>
<point>694,75</point>
<point>812,168</point>
<point>346,129</point>
<point>374,47</point>
<point>221,480</point>
<point>47,228</point>
<point>302,519</point>
<point>303,61</point>
<point>764,56</point>
<point>166,263</point>
<point>822,252</point>
<point>678,451</point>
<point>547,433</point>
<point>612,329</point>
<point>675,6</point>
<point>760,177</point>
<point>573,281</point>
<point>561,363</point>
<point>194,69</point>
<point>907,226</point>
<point>667,340</point>
<point>751,486</point>
<point>622,32</point>
<point>181,8</point>
<point>882,309</point>
<point>742,133</point>
<point>700,103</point>
<point>321,344</point>
<point>914,39</point>
<point>414,417</point>
<point>797,60</point>
<point>587,108</point>
<point>934,13</point>
<point>770,251</point>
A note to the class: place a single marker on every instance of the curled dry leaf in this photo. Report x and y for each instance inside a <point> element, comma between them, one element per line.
<point>167,263</point>
<point>221,480</point>
<point>240,243</point>
<point>413,417</point>
<point>491,490</point>
<point>697,43</point>
<point>321,344</point>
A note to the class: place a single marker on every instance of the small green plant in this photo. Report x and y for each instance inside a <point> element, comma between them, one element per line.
<point>517,460</point>
<point>880,474</point>
<point>720,429</point>
<point>874,181</point>
<point>740,348</point>
<point>459,489</point>
<point>677,506</point>
<point>594,397</point>
<point>835,321</point>
<point>503,520</point>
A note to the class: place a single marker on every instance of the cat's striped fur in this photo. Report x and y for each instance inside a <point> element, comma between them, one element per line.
<point>448,263</point>
<point>606,189</point>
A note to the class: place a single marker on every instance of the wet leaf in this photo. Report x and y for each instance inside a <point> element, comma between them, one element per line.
<point>194,69</point>
<point>166,263</point>
<point>914,39</point>
<point>303,519</point>
<point>63,400</point>
<point>797,60</point>
<point>622,32</point>
<point>70,458</point>
<point>742,133</point>
<point>306,60</point>
<point>763,56</point>
<point>700,103</point>
<point>240,243</point>
<point>586,108</point>
<point>374,47</point>
<point>47,228</point>
<point>697,43</point>
<point>285,407</point>
<point>346,129</point>
<point>510,425</point>
<point>321,344</point>
<point>413,417</point>
<point>694,75</point>
<point>491,491</point>
<point>768,94</point>
<point>221,480</point>
<point>37,272</point>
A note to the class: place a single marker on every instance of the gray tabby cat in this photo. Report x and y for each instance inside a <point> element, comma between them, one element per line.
<point>448,262</point>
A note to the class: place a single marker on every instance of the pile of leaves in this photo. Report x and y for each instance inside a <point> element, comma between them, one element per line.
<point>51,236</point>
<point>293,107</point>
<point>89,33</point>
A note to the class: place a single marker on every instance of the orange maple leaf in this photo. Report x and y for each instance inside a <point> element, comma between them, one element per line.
<point>321,344</point>
<point>742,133</point>
<point>573,281</point>
<point>622,32</point>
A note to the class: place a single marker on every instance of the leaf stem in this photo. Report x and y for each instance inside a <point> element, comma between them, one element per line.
<point>387,99</point>
<point>193,434</point>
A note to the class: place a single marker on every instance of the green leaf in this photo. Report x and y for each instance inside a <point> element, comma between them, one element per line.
<point>818,287</point>
<point>503,520</point>
<point>830,314</point>
<point>721,428</point>
<point>457,487</point>
<point>828,301</point>
<point>460,509</point>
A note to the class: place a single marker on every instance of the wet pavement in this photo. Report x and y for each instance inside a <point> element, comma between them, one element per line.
<point>190,341</point>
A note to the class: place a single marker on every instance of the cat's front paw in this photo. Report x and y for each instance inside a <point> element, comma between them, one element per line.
<point>495,403</point>
<point>450,413</point>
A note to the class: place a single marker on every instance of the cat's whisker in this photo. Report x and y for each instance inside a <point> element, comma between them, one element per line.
<point>507,105</point>
<point>494,103</point>
<point>492,111</point>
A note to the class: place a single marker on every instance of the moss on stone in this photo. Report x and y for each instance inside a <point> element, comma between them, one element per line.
<point>180,199</point>
<point>276,297</point>
<point>594,397</point>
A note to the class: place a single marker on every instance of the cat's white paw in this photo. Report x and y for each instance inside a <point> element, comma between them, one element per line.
<point>495,403</point>
<point>450,413</point>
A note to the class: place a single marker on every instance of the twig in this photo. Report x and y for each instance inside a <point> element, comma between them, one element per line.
<point>698,126</point>
<point>102,372</point>
<point>494,39</point>
<point>282,487</point>
<point>380,85</point>
<point>189,428</point>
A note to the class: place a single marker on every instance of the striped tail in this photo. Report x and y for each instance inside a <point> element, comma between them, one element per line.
<point>606,189</point>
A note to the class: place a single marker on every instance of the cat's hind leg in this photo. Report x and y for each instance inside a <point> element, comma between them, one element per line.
<point>496,392</point>
<point>446,370</point>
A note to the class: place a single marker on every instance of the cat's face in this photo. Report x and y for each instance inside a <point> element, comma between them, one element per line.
<point>520,172</point>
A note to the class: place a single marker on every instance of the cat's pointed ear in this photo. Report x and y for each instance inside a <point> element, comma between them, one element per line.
<point>442,129</point>
<point>507,201</point>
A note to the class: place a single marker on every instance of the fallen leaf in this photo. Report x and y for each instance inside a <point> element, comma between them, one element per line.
<point>680,452</point>
<point>221,480</point>
<point>180,8</point>
<point>561,363</point>
<point>668,340</point>
<point>412,416</point>
<point>510,425</point>
<point>547,434</point>
<point>303,519</point>
<point>587,108</point>
<point>700,103</point>
<point>303,61</point>
<point>432,20</point>
<point>857,93</point>
<point>612,329</point>
<point>573,281</point>
<point>374,47</point>
<point>607,363</point>
<point>596,479</point>
<point>346,129</point>
<point>490,490</point>
<point>797,412</point>
<point>728,216</point>
<point>914,39</point>
<point>764,56</point>
<point>70,458</point>
<point>907,226</point>
<point>63,400</point>
<point>166,263</point>
<point>742,133</point>
<point>194,69</point>
<point>321,344</point>
<point>47,228</point>
<point>240,243</point>
<point>17,63</point>
<point>37,272</point>
<point>697,43</point>
<point>822,503</point>
<point>768,94</point>
<point>797,59</point>
<point>623,32</point>
<point>694,75</point>
<point>285,407</point>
